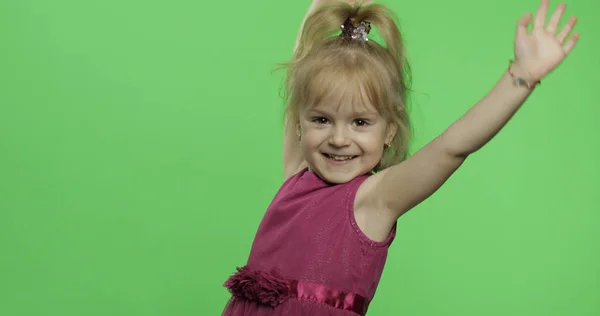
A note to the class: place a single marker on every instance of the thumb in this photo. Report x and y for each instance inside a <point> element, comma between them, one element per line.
<point>523,24</point>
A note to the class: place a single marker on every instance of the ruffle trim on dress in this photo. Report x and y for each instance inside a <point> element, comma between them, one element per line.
<point>271,289</point>
<point>259,286</point>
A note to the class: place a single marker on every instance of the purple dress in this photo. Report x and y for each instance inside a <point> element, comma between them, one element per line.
<point>309,256</point>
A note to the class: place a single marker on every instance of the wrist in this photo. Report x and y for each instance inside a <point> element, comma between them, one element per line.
<point>522,77</point>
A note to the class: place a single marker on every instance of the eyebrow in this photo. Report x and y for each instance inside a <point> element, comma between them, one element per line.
<point>363,113</point>
<point>315,111</point>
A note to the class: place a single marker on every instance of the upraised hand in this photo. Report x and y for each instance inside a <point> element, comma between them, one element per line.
<point>538,52</point>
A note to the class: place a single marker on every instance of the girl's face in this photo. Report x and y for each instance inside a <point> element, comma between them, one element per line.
<point>342,142</point>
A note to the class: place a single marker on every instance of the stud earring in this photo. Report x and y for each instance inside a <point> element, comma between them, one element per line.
<point>299,132</point>
<point>386,146</point>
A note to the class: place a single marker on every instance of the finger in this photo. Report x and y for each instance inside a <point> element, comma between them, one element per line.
<point>555,18</point>
<point>571,43</point>
<point>523,24</point>
<point>566,30</point>
<point>540,17</point>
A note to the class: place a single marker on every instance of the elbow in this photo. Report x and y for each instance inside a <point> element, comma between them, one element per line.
<point>459,153</point>
<point>454,148</point>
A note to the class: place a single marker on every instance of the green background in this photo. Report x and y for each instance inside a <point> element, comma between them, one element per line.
<point>140,143</point>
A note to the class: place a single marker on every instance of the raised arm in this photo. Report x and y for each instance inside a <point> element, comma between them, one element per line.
<point>399,188</point>
<point>293,161</point>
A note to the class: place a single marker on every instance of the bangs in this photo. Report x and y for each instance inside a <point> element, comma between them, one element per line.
<point>361,85</point>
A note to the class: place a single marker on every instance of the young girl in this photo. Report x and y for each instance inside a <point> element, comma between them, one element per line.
<point>322,244</point>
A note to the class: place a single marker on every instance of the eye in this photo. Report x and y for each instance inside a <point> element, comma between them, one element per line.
<point>320,120</point>
<point>361,122</point>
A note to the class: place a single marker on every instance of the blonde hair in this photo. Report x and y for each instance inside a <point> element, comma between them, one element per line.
<point>325,65</point>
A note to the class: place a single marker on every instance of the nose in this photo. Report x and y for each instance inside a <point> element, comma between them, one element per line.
<point>339,137</point>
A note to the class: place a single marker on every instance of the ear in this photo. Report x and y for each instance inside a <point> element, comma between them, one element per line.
<point>390,133</point>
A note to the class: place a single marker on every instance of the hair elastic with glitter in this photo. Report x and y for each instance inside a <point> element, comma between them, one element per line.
<point>356,32</point>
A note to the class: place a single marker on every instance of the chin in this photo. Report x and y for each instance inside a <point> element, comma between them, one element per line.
<point>336,177</point>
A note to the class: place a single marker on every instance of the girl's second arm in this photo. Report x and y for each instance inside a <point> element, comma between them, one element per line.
<point>397,189</point>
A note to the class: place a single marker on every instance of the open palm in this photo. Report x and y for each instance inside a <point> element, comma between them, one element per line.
<point>540,51</point>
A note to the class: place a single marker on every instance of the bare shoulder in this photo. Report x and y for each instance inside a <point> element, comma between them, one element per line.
<point>370,213</point>
<point>392,192</point>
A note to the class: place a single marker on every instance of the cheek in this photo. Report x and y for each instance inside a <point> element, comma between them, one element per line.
<point>311,139</point>
<point>372,142</point>
<point>315,133</point>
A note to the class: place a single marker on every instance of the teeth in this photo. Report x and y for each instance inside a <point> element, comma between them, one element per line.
<point>339,158</point>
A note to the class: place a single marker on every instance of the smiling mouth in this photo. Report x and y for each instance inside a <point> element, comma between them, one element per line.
<point>339,158</point>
